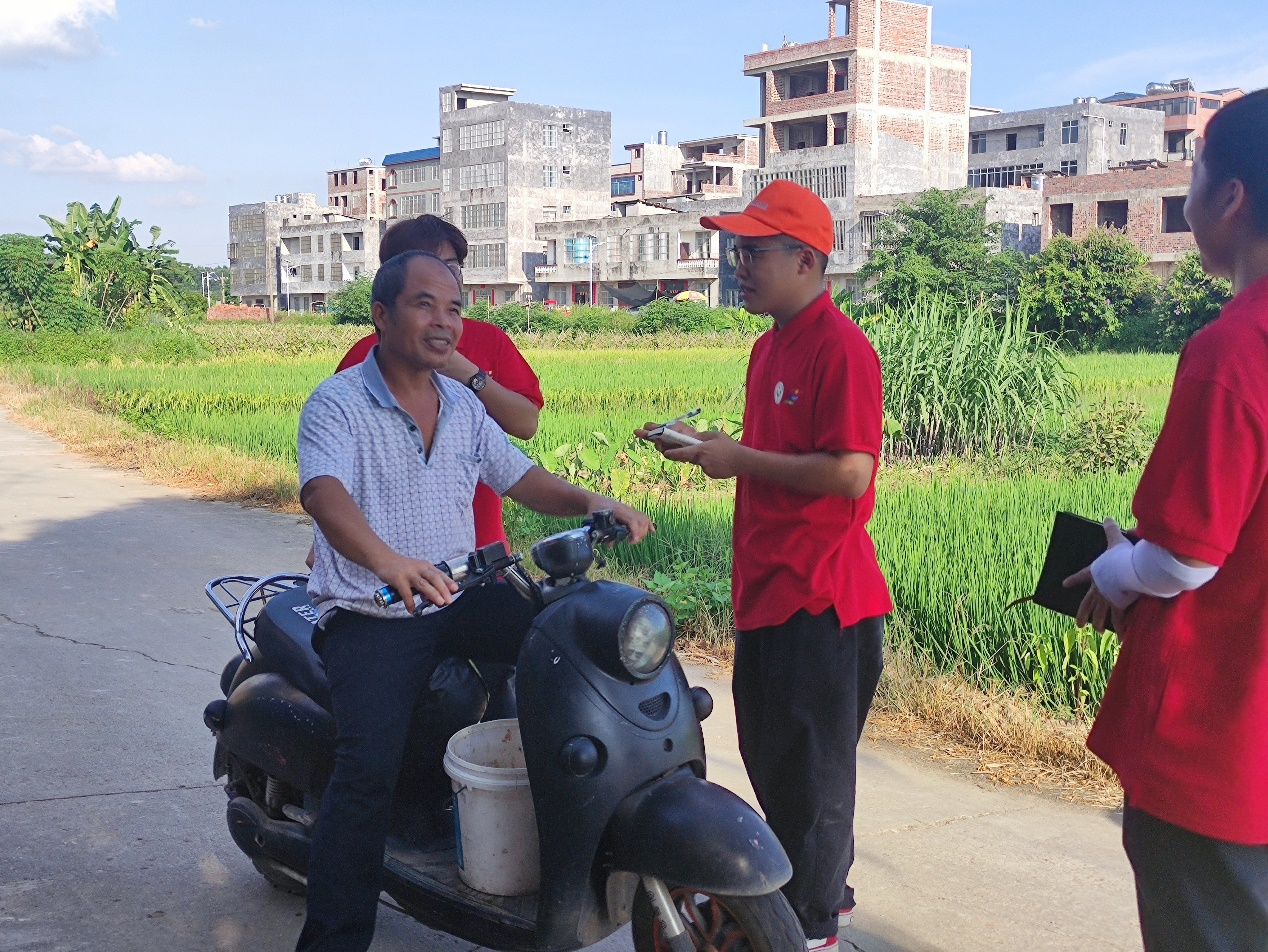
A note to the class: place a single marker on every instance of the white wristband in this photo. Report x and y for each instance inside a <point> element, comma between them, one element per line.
<point>1116,577</point>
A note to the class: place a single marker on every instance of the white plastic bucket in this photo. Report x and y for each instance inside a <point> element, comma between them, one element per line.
<point>493,810</point>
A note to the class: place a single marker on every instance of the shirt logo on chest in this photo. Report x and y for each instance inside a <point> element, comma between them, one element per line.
<point>783,397</point>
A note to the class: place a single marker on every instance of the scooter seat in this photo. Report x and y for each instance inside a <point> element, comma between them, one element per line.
<point>284,634</point>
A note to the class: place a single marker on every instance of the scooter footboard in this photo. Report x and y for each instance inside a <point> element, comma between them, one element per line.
<point>689,832</point>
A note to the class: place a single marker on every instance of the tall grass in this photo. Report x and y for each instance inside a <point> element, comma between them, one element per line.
<point>958,379</point>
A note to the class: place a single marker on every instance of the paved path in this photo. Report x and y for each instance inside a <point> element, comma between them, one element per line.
<point>112,834</point>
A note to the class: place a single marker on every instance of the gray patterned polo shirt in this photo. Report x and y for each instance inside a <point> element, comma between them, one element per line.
<point>418,503</point>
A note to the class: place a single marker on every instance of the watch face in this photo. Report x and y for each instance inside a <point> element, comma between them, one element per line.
<point>477,383</point>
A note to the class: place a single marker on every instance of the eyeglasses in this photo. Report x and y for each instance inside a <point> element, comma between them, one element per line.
<point>737,256</point>
<point>454,268</point>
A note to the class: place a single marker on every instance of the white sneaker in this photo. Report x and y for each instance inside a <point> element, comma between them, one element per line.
<point>845,917</point>
<point>822,945</point>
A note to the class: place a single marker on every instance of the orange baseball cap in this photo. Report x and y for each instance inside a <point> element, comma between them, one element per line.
<point>781,208</point>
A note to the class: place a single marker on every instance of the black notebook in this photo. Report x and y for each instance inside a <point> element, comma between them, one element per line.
<point>1076,543</point>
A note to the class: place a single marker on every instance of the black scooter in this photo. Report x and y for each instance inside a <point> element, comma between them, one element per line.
<point>628,828</point>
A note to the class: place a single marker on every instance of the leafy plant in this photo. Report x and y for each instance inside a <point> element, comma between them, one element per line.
<point>35,292</point>
<point>1190,300</point>
<point>1108,437</point>
<point>352,303</point>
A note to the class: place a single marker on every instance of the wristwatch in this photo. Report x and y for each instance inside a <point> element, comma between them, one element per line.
<point>478,382</point>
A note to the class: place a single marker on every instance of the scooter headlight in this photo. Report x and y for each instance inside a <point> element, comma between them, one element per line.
<point>646,636</point>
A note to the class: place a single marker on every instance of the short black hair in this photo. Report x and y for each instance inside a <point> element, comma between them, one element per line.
<point>1236,147</point>
<point>424,233</point>
<point>389,280</point>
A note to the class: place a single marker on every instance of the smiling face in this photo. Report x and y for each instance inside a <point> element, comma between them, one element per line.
<point>422,327</point>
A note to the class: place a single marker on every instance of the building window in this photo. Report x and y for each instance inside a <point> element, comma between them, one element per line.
<point>614,249</point>
<point>550,136</point>
<point>1122,135</point>
<point>1010,142</point>
<point>1111,215</point>
<point>482,135</point>
<point>1062,217</point>
<point>625,185</point>
<point>1009,176</point>
<point>447,102</point>
<point>1043,135</point>
<point>321,272</point>
<point>1173,220</point>
<point>487,256</point>
<point>1069,167</point>
<point>306,273</point>
<point>1069,131</point>
<point>550,213</point>
<point>567,211</point>
<point>1211,104</point>
<point>840,235</point>
<point>977,143</point>
<point>550,176</point>
<point>567,170</point>
<point>484,216</point>
<point>321,243</point>
<point>306,245</point>
<point>446,140</point>
<point>841,77</point>
<point>840,125</point>
<point>488,175</point>
<point>1177,142</point>
<point>825,181</point>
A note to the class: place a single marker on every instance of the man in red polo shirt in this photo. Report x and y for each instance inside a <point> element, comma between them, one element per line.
<point>1184,721</point>
<point>809,598</point>
<point>486,360</point>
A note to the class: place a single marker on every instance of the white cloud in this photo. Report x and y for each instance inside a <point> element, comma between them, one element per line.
<point>39,154</point>
<point>202,24</point>
<point>61,132</point>
<point>34,30</point>
<point>1236,61</point>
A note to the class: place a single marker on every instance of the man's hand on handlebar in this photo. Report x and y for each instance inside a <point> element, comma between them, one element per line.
<point>414,576</point>
<point>640,525</point>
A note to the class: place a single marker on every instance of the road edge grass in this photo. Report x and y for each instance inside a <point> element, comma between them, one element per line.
<point>1003,735</point>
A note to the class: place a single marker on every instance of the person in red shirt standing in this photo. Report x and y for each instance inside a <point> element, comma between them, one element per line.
<point>1184,721</point>
<point>486,360</point>
<point>809,597</point>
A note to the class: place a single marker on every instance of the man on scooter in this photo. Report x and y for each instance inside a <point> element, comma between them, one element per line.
<point>390,452</point>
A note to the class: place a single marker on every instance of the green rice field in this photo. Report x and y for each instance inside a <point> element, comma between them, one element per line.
<point>958,539</point>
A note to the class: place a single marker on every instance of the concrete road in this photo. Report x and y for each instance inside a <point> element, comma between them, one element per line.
<point>112,834</point>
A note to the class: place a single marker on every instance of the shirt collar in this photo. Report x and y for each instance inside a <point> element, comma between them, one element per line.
<point>372,377</point>
<point>803,319</point>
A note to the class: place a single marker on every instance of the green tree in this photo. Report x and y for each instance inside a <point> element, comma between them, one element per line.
<point>351,305</point>
<point>1190,300</point>
<point>35,292</point>
<point>941,246</point>
<point>1086,292</point>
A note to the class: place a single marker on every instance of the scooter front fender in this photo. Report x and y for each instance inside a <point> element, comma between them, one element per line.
<point>689,832</point>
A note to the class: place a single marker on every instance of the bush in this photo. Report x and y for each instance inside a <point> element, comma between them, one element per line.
<point>959,379</point>
<point>1085,293</point>
<point>1109,437</point>
<point>36,292</point>
<point>351,305</point>
<point>75,348</point>
<point>1190,300</point>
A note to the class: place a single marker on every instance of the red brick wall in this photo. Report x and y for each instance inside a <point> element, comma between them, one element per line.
<point>956,141</point>
<point>902,85</point>
<point>861,79</point>
<point>1121,180</point>
<point>904,28</point>
<point>810,103</point>
<point>956,53</point>
<point>863,15</point>
<point>910,130</point>
<point>949,91</point>
<point>1143,190</point>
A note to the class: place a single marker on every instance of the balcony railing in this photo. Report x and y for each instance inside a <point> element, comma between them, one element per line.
<point>698,265</point>
<point>545,270</point>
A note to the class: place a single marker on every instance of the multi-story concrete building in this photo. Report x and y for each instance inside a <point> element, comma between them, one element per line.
<point>1146,202</point>
<point>1185,111</point>
<point>357,192</point>
<point>715,168</point>
<point>627,261</point>
<point>505,166</point>
<point>878,110</point>
<point>292,254</point>
<point>648,175</point>
<point>1085,138</point>
<point>411,184</point>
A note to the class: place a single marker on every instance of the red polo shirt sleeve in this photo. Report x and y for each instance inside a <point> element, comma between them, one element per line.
<point>492,349</point>
<point>847,405</point>
<point>358,353</point>
<point>1193,498</point>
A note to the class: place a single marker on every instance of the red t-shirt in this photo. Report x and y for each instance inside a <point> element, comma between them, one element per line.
<point>814,386</point>
<point>489,348</point>
<point>1184,722</point>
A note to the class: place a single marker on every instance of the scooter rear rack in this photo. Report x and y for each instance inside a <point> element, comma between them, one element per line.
<point>241,598</point>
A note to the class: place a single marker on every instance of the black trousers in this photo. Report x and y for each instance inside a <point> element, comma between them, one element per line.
<point>378,669</point>
<point>802,692</point>
<point>1196,894</point>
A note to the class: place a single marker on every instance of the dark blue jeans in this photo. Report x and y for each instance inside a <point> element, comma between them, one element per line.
<point>378,669</point>
<point>1196,894</point>
<point>802,692</point>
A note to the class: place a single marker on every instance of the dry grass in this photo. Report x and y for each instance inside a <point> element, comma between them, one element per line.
<point>208,472</point>
<point>1001,735</point>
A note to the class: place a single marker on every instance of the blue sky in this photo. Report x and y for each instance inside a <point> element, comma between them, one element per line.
<point>186,106</point>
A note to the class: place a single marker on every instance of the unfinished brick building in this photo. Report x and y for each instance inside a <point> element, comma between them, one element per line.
<point>879,103</point>
<point>1147,203</point>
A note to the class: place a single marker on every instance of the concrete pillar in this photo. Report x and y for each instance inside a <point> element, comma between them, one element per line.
<point>832,19</point>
